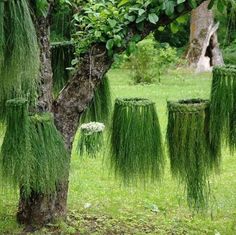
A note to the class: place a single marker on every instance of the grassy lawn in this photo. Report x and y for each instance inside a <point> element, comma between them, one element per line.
<point>98,204</point>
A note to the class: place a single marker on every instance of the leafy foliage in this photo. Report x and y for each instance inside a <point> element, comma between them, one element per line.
<point>136,146</point>
<point>108,21</point>
<point>19,54</point>
<point>33,155</point>
<point>223,106</point>
<point>190,153</point>
<point>176,34</point>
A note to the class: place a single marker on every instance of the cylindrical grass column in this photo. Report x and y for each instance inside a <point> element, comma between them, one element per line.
<point>223,106</point>
<point>90,139</point>
<point>136,146</point>
<point>189,148</point>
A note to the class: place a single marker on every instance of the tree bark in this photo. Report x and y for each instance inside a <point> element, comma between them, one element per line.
<point>203,52</point>
<point>40,209</point>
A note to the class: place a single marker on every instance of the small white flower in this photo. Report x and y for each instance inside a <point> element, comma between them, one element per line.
<point>92,127</point>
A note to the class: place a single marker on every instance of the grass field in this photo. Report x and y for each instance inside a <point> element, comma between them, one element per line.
<point>98,204</point>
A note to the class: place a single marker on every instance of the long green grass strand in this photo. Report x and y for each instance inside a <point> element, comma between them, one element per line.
<point>62,55</point>
<point>223,106</point>
<point>100,108</point>
<point>19,53</point>
<point>136,146</point>
<point>191,157</point>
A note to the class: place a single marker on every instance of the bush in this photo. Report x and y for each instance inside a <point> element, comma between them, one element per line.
<point>150,60</point>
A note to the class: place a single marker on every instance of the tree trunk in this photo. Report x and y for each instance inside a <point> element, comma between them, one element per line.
<point>38,209</point>
<point>203,52</point>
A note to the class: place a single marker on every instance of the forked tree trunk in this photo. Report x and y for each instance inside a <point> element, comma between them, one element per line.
<point>203,52</point>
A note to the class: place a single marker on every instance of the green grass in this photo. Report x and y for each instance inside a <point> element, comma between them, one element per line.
<point>98,204</point>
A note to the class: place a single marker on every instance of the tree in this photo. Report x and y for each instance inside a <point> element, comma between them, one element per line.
<point>103,28</point>
<point>203,51</point>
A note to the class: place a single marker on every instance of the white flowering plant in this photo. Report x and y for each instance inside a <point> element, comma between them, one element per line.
<point>91,138</point>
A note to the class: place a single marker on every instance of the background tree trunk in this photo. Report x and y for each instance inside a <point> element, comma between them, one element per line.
<point>203,51</point>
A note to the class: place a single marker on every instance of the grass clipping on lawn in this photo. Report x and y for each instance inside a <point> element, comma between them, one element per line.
<point>19,53</point>
<point>136,145</point>
<point>223,106</point>
<point>191,155</point>
<point>32,155</point>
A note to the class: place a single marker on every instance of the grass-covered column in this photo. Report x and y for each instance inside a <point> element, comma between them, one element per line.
<point>189,149</point>
<point>223,106</point>
<point>136,146</point>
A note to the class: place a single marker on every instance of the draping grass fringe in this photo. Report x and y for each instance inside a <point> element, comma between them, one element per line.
<point>62,55</point>
<point>90,144</point>
<point>136,145</point>
<point>51,158</point>
<point>19,53</point>
<point>15,155</point>
<point>190,153</point>
<point>223,106</point>
<point>32,154</point>
<point>100,108</point>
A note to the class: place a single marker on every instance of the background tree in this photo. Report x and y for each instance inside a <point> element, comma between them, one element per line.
<point>203,51</point>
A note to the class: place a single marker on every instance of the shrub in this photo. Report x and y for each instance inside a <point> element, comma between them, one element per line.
<point>150,60</point>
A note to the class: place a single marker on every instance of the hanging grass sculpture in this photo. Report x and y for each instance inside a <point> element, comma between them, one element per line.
<point>223,106</point>
<point>191,156</point>
<point>100,107</point>
<point>19,54</point>
<point>136,146</point>
<point>32,154</point>
<point>90,139</point>
<point>62,55</point>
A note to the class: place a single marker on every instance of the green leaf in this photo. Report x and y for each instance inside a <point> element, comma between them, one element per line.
<point>110,44</point>
<point>174,27</point>
<point>193,3</point>
<point>112,22</point>
<point>141,11</point>
<point>169,7</point>
<point>140,19</point>
<point>136,38</point>
<point>123,2</point>
<point>153,18</point>
<point>180,1</point>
